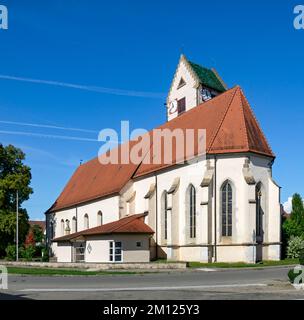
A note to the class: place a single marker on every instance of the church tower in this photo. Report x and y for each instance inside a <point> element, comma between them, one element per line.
<point>192,85</point>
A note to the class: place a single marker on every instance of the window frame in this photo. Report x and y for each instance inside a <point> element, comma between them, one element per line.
<point>191,212</point>
<point>99,218</point>
<point>74,225</point>
<point>86,222</point>
<point>62,227</point>
<point>164,212</point>
<point>259,213</point>
<point>180,102</point>
<point>227,202</point>
<point>112,246</point>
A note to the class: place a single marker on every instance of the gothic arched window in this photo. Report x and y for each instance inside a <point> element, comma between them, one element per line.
<point>86,221</point>
<point>99,218</point>
<point>259,211</point>
<point>191,211</point>
<point>62,227</point>
<point>226,209</point>
<point>164,214</point>
<point>74,225</point>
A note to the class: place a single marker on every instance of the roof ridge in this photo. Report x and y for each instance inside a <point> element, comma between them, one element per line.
<point>257,122</point>
<point>224,116</point>
<point>244,120</point>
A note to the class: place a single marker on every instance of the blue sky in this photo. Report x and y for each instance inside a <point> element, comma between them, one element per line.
<point>135,46</point>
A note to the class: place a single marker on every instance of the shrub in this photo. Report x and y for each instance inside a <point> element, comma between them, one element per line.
<point>292,228</point>
<point>11,252</point>
<point>28,253</point>
<point>45,255</point>
<point>295,246</point>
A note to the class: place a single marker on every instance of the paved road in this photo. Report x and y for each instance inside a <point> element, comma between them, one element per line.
<point>270,283</point>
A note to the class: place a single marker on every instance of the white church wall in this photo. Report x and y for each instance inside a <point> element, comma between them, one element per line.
<point>108,206</point>
<point>64,252</point>
<point>235,254</point>
<point>190,174</point>
<point>272,216</point>
<point>230,168</point>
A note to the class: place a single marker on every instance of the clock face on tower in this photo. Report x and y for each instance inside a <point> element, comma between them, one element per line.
<point>206,94</point>
<point>173,107</point>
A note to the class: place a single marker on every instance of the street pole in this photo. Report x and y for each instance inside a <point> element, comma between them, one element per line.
<point>17,226</point>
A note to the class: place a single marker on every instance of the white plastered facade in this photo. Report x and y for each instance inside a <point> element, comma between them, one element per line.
<point>208,245</point>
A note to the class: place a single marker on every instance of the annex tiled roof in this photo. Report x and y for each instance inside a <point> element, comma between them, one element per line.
<point>207,77</point>
<point>231,127</point>
<point>128,225</point>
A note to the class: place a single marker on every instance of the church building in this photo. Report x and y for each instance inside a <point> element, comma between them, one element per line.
<point>223,206</point>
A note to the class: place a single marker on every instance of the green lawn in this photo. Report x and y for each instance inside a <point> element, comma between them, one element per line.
<point>63,272</point>
<point>243,265</point>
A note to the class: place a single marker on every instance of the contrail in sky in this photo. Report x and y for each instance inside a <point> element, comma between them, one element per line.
<point>119,92</point>
<point>50,136</point>
<point>37,125</point>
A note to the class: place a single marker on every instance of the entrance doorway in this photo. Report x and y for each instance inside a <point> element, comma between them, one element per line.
<point>79,251</point>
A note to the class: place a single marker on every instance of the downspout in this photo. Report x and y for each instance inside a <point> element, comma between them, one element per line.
<point>72,249</point>
<point>76,219</point>
<point>215,209</point>
<point>156,217</point>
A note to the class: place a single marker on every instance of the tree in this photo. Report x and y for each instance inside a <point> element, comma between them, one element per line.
<point>294,226</point>
<point>14,176</point>
<point>297,213</point>
<point>37,233</point>
<point>30,240</point>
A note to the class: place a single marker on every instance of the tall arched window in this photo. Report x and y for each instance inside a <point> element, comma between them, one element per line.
<point>86,224</point>
<point>99,218</point>
<point>62,227</point>
<point>164,214</point>
<point>191,211</point>
<point>259,211</point>
<point>226,209</point>
<point>52,230</point>
<point>74,225</point>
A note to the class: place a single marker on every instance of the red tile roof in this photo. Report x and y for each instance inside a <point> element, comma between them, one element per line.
<point>231,127</point>
<point>41,224</point>
<point>128,225</point>
<point>93,180</point>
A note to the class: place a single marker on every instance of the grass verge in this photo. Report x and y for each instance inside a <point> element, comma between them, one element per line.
<point>64,272</point>
<point>243,265</point>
